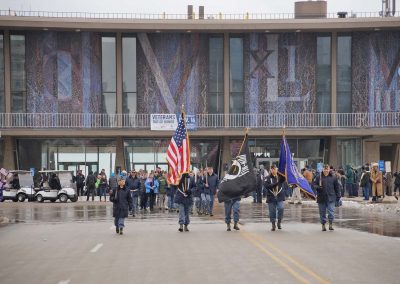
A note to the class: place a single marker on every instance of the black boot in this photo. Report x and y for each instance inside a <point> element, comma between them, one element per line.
<point>180,228</point>
<point>186,228</point>
<point>279,224</point>
<point>323,228</point>
<point>273,226</point>
<point>117,230</point>
<point>120,231</point>
<point>228,227</point>
<point>236,227</point>
<point>330,226</point>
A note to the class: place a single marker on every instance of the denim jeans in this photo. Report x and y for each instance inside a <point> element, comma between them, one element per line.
<point>171,204</point>
<point>134,201</point>
<point>119,222</point>
<point>229,205</point>
<point>323,207</point>
<point>274,208</point>
<point>184,214</point>
<point>197,203</point>
<point>209,203</point>
<point>366,190</point>
<point>203,203</point>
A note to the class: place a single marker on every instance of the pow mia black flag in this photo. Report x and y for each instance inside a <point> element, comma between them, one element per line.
<point>240,179</point>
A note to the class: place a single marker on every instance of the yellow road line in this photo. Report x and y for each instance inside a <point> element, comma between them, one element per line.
<point>319,278</point>
<point>275,258</point>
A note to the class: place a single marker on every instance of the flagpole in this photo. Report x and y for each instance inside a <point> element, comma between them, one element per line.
<point>187,133</point>
<point>245,134</point>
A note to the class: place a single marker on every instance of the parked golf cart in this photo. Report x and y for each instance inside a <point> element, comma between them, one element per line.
<point>59,185</point>
<point>19,186</point>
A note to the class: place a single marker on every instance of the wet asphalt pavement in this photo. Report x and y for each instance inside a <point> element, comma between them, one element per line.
<point>347,217</point>
<point>67,243</point>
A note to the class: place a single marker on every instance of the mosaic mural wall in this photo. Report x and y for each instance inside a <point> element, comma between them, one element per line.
<point>375,71</point>
<point>63,71</point>
<point>172,69</point>
<point>279,72</point>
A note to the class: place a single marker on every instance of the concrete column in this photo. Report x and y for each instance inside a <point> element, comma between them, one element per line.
<point>332,150</point>
<point>7,71</point>
<point>226,77</point>
<point>371,152</point>
<point>226,154</point>
<point>120,154</point>
<point>119,72</point>
<point>333,75</point>
<point>9,153</point>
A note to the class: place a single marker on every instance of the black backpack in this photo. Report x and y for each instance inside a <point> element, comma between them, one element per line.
<point>364,180</point>
<point>91,180</point>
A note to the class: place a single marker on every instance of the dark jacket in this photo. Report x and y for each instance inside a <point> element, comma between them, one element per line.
<point>213,184</point>
<point>113,182</point>
<point>133,184</point>
<point>162,181</point>
<point>122,202</point>
<point>91,181</point>
<point>259,182</point>
<point>397,179</point>
<point>54,183</point>
<point>80,180</point>
<point>275,183</point>
<point>329,190</point>
<point>184,194</point>
<point>201,180</point>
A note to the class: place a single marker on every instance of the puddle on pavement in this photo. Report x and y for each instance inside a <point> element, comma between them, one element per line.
<point>346,217</point>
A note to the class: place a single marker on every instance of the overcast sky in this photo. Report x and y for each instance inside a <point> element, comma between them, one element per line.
<point>179,7</point>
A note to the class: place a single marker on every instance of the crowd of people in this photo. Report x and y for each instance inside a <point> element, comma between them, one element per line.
<point>196,192</point>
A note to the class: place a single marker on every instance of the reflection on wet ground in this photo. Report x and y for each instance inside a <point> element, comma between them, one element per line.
<point>352,218</point>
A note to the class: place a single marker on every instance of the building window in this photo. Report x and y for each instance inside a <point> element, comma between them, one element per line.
<point>216,75</point>
<point>109,76</point>
<point>129,75</point>
<point>323,75</point>
<point>18,76</point>
<point>343,84</point>
<point>349,152</point>
<point>236,78</point>
<point>2,106</point>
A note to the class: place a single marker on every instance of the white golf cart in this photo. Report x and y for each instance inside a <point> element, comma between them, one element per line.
<point>65,191</point>
<point>19,186</point>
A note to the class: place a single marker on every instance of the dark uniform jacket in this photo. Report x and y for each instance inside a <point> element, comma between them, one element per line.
<point>213,184</point>
<point>122,202</point>
<point>275,183</point>
<point>329,190</point>
<point>186,185</point>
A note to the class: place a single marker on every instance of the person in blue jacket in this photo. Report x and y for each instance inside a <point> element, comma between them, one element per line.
<point>152,186</point>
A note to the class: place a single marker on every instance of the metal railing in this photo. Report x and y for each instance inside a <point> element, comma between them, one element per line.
<point>202,121</point>
<point>166,16</point>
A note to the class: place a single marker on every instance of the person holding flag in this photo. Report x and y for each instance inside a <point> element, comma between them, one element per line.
<point>328,196</point>
<point>288,171</point>
<point>239,181</point>
<point>275,197</point>
<point>178,158</point>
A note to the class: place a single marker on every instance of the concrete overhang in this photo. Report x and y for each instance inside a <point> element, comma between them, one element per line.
<point>206,25</point>
<point>369,133</point>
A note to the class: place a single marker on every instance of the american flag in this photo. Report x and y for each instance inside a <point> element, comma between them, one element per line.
<point>178,154</point>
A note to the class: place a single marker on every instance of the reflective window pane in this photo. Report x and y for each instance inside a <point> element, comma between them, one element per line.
<point>18,80</point>
<point>344,74</point>
<point>2,106</point>
<point>323,75</point>
<point>349,151</point>
<point>129,75</point>
<point>236,79</point>
<point>108,68</point>
<point>215,98</point>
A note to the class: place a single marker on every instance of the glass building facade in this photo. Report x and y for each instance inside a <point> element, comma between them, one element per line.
<point>236,75</point>
<point>108,75</point>
<point>216,75</point>
<point>2,103</point>
<point>67,154</point>
<point>323,74</point>
<point>343,69</point>
<point>349,152</point>
<point>18,73</point>
<point>129,87</point>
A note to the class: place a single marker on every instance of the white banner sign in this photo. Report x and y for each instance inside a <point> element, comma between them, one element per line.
<point>163,122</point>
